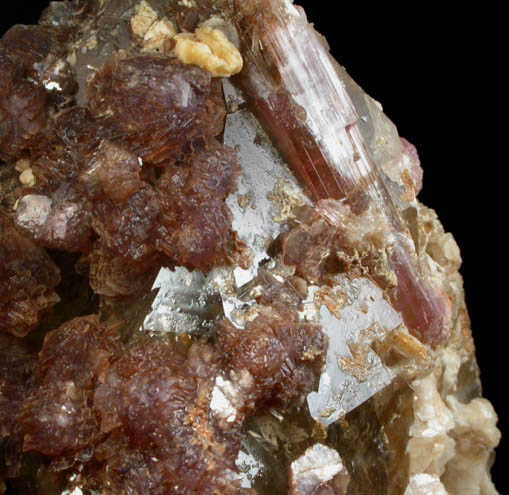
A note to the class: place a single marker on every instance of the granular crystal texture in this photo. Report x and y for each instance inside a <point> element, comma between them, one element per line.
<point>29,278</point>
<point>57,420</point>
<point>16,382</point>
<point>215,275</point>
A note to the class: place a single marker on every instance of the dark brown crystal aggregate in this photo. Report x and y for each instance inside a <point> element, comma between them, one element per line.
<point>132,179</point>
<point>139,420</point>
<point>16,383</point>
<point>94,164</point>
<point>29,278</point>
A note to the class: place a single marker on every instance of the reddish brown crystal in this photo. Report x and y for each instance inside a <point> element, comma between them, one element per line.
<point>154,407</point>
<point>78,351</point>
<point>308,246</point>
<point>89,174</point>
<point>195,223</point>
<point>23,108</point>
<point>160,399</point>
<point>16,383</point>
<point>28,55</point>
<point>159,102</point>
<point>113,172</point>
<point>59,418</point>
<point>113,275</point>
<point>30,45</point>
<point>282,353</point>
<point>128,228</point>
<point>61,220</point>
<point>146,416</point>
<point>61,158</point>
<point>316,127</point>
<point>28,277</point>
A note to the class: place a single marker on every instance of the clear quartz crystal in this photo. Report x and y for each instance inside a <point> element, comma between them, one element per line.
<point>353,372</point>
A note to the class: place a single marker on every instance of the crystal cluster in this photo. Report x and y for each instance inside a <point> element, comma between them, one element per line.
<point>215,274</point>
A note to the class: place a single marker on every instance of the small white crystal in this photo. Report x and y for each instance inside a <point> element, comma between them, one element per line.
<point>317,465</point>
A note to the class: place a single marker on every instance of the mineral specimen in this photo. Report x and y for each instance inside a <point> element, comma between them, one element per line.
<point>215,275</point>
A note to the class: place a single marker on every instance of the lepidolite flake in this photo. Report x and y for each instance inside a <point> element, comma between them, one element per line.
<point>269,309</point>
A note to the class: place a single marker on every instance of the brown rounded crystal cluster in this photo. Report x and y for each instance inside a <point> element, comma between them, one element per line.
<point>143,419</point>
<point>29,277</point>
<point>130,179</point>
<point>133,178</point>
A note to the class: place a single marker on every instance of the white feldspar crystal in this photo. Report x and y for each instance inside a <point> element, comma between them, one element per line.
<point>430,446</point>
<point>475,433</point>
<point>317,465</point>
<point>33,211</point>
<point>228,397</point>
<point>450,443</point>
<point>220,403</point>
<point>425,484</point>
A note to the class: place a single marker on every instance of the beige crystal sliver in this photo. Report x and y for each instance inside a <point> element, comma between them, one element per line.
<point>144,18</point>
<point>158,33</point>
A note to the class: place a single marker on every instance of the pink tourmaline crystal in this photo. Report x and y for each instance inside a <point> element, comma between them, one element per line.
<point>305,105</point>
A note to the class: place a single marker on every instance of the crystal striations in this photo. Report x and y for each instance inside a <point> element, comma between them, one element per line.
<point>251,299</point>
<point>314,121</point>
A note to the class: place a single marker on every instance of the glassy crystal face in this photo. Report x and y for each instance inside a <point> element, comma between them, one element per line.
<point>216,277</point>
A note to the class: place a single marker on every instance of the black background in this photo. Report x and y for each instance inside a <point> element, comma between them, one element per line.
<point>438,74</point>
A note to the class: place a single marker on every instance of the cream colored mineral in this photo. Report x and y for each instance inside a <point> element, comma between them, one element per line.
<point>144,18</point>
<point>158,33</point>
<point>210,49</point>
<point>451,443</point>
<point>27,177</point>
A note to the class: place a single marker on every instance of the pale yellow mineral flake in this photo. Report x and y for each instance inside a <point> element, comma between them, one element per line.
<point>22,165</point>
<point>158,33</point>
<point>144,18</point>
<point>210,49</point>
<point>27,178</point>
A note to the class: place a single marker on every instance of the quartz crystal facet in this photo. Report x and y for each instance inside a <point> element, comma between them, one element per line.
<point>216,276</point>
